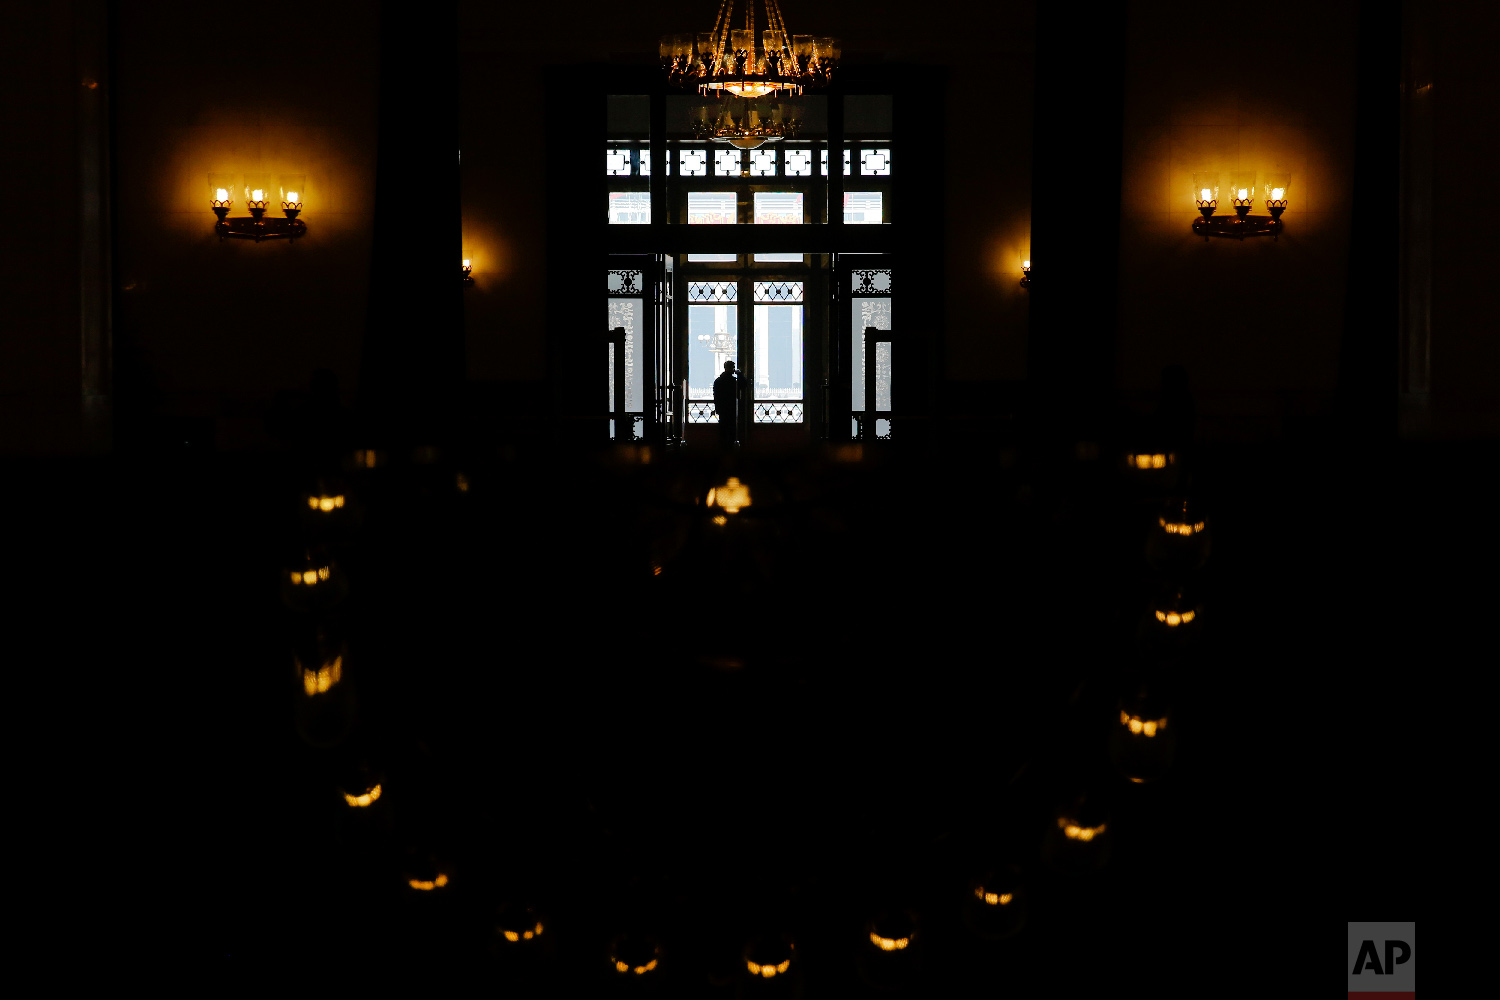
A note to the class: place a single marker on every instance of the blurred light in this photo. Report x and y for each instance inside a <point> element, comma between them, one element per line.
<point>992,898</point>
<point>1178,528</point>
<point>1136,724</point>
<point>310,577</point>
<point>732,496</point>
<point>1073,831</point>
<point>888,944</point>
<point>325,677</point>
<point>525,935</point>
<point>364,799</point>
<point>1175,618</point>
<point>325,503</point>
<point>1156,460</point>
<point>427,886</point>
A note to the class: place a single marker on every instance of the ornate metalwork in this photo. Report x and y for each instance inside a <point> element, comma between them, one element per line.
<point>713,291</point>
<point>748,63</point>
<point>701,413</point>
<point>876,282</point>
<point>258,228</point>
<point>1239,226</point>
<point>780,412</point>
<point>617,162</point>
<point>778,291</point>
<point>693,162</point>
<point>798,162</point>
<point>763,163</point>
<point>626,283</point>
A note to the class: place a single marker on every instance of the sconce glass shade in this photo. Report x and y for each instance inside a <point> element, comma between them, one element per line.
<point>1277,185</point>
<point>222,189</point>
<point>1242,188</point>
<point>1206,190</point>
<point>293,186</point>
<point>257,192</point>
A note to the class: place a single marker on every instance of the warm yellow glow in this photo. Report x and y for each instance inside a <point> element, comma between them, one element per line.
<point>325,677</point>
<point>1155,461</point>
<point>732,496</point>
<point>325,503</point>
<point>364,799</point>
<point>291,196</point>
<point>462,481</point>
<point>221,195</point>
<point>656,570</point>
<point>1025,265</point>
<point>366,458</point>
<point>1073,831</point>
<point>308,578</point>
<point>888,944</point>
<point>1139,726</point>
<point>639,970</point>
<point>527,935</point>
<point>720,519</point>
<point>257,195</point>
<point>1205,195</point>
<point>426,886</point>
<point>1181,527</point>
<point>1277,194</point>
<point>1244,194</point>
<point>468,263</point>
<point>768,970</point>
<point>747,88</point>
<point>993,898</point>
<point>1176,618</point>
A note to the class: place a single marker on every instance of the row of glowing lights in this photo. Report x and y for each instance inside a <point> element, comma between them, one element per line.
<point>255,196</point>
<point>322,680</point>
<point>1176,618</point>
<point>1181,528</point>
<point>1139,726</point>
<point>1242,194</point>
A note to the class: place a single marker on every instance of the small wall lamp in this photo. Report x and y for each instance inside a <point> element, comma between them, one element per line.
<point>258,198</point>
<point>1025,274</point>
<point>468,271</point>
<point>1242,192</point>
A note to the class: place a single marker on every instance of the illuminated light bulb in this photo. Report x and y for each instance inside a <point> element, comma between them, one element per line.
<point>364,799</point>
<point>1244,193</point>
<point>511,935</point>
<point>888,944</point>
<point>720,519</point>
<point>427,886</point>
<point>468,262</point>
<point>221,195</point>
<point>291,196</point>
<point>1025,265</point>
<point>1277,194</point>
<point>621,966</point>
<point>1206,195</point>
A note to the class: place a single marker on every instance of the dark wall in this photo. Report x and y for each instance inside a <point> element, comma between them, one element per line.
<point>212,330</point>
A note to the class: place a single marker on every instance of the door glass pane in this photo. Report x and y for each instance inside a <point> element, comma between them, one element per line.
<point>778,351</point>
<point>631,314</point>
<point>713,334</point>
<point>779,258</point>
<point>867,312</point>
<point>778,208</point>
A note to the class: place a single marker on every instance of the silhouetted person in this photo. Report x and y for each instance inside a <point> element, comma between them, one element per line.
<point>726,401</point>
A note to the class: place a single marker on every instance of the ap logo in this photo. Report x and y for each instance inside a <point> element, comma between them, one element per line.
<point>1382,960</point>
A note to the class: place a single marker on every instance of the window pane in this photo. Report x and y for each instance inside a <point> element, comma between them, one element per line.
<point>693,162</point>
<point>628,208</point>
<point>728,162</point>
<point>799,162</point>
<point>778,352</point>
<point>875,162</point>
<point>778,208</point>
<point>763,162</point>
<point>617,162</point>
<point>780,258</point>
<point>863,207</point>
<point>713,338</point>
<point>712,258</point>
<point>865,312</point>
<point>712,208</point>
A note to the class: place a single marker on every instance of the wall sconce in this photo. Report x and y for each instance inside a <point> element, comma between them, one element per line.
<point>468,271</point>
<point>257,191</point>
<point>1242,194</point>
<point>1025,274</point>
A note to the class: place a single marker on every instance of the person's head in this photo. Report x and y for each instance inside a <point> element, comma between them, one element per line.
<point>729,366</point>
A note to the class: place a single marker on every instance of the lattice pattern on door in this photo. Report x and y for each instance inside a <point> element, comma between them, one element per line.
<point>778,413</point>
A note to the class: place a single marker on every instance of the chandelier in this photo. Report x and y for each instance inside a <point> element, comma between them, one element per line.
<point>729,60</point>
<point>751,131</point>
